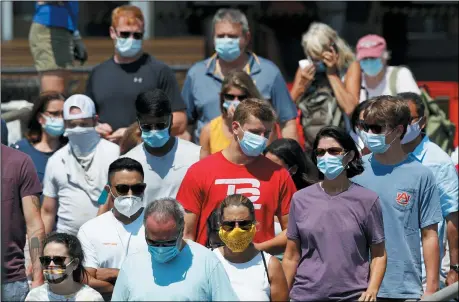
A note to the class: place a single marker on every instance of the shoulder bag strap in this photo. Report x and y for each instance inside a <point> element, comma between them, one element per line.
<point>266,266</point>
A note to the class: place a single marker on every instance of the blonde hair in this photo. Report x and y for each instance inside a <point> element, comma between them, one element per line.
<point>318,39</point>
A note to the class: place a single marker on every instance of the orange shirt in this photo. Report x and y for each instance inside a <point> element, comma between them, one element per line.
<point>207,182</point>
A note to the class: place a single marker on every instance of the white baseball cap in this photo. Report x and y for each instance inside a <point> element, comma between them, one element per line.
<point>81,101</point>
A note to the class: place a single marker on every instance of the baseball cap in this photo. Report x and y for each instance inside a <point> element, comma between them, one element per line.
<point>370,46</point>
<point>86,105</point>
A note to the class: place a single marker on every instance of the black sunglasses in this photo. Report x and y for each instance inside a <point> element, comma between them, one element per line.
<point>127,34</point>
<point>332,151</point>
<point>242,224</point>
<point>375,128</point>
<point>230,97</point>
<point>57,260</point>
<point>154,126</point>
<point>159,243</point>
<point>137,189</point>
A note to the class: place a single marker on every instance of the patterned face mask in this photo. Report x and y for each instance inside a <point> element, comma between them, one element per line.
<point>55,274</point>
<point>237,240</point>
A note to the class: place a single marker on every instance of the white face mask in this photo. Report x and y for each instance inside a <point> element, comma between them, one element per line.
<point>82,140</point>
<point>412,131</point>
<point>128,205</point>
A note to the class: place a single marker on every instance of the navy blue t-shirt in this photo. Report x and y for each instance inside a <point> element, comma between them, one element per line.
<point>40,159</point>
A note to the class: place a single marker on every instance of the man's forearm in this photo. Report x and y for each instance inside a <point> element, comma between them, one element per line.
<point>289,130</point>
<point>452,229</point>
<point>377,271</point>
<point>274,246</point>
<point>36,235</point>
<point>431,251</point>
<point>48,221</point>
<point>102,287</point>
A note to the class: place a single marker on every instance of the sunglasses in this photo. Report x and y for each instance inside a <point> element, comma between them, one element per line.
<point>332,151</point>
<point>230,97</point>
<point>136,189</point>
<point>242,224</point>
<point>57,260</point>
<point>375,128</point>
<point>154,126</point>
<point>127,34</point>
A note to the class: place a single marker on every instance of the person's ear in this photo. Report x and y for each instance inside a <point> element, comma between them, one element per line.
<point>75,263</point>
<point>423,123</point>
<point>293,169</point>
<point>348,158</point>
<point>247,38</point>
<point>113,33</point>
<point>96,120</point>
<point>40,118</point>
<point>235,127</point>
<point>107,189</point>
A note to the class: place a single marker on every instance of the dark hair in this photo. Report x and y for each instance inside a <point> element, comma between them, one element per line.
<point>124,163</point>
<point>34,131</point>
<point>417,101</point>
<point>355,166</point>
<point>355,116</point>
<point>237,200</point>
<point>260,109</point>
<point>289,150</point>
<point>154,102</point>
<point>75,251</point>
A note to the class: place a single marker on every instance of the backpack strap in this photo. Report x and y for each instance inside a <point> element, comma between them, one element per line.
<point>266,266</point>
<point>393,80</point>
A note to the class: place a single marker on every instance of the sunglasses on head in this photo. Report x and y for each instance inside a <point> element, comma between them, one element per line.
<point>242,224</point>
<point>375,128</point>
<point>57,260</point>
<point>230,97</point>
<point>136,189</point>
<point>127,34</point>
<point>332,151</point>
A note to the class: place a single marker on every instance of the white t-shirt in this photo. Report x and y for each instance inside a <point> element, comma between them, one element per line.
<point>163,175</point>
<point>106,241</point>
<point>43,293</point>
<point>75,189</point>
<point>249,280</point>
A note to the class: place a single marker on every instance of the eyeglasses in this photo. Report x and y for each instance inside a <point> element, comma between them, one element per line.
<point>230,97</point>
<point>57,260</point>
<point>137,189</point>
<point>54,114</point>
<point>154,126</point>
<point>332,151</point>
<point>375,128</point>
<point>242,224</point>
<point>127,34</point>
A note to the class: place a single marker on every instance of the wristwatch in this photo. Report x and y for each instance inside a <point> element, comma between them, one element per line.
<point>455,267</point>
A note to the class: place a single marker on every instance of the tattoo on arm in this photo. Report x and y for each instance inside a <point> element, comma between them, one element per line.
<point>36,202</point>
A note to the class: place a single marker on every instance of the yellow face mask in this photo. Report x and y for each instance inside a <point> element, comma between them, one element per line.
<point>237,240</point>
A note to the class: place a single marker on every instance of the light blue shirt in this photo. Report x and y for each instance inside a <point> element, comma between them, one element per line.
<point>433,157</point>
<point>202,87</point>
<point>409,202</point>
<point>195,274</point>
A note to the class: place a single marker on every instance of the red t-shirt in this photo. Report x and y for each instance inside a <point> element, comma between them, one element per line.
<point>209,181</point>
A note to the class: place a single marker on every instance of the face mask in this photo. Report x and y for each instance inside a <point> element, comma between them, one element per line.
<point>163,254</point>
<point>128,205</point>
<point>237,240</point>
<point>53,126</point>
<point>128,47</point>
<point>228,104</point>
<point>227,48</point>
<point>156,138</point>
<point>371,67</point>
<point>412,131</point>
<point>376,143</point>
<point>56,274</point>
<point>252,144</point>
<point>82,140</point>
<point>331,166</point>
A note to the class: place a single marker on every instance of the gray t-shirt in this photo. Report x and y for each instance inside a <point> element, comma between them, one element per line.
<point>335,233</point>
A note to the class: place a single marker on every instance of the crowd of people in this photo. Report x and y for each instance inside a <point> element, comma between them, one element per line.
<point>135,191</point>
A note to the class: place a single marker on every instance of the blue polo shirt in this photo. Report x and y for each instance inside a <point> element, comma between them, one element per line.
<point>409,202</point>
<point>202,88</point>
<point>433,157</point>
<point>57,14</point>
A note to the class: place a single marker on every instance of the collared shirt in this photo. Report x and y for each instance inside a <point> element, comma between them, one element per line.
<point>433,157</point>
<point>203,85</point>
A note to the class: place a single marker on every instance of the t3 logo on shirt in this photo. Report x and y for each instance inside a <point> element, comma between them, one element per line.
<point>403,198</point>
<point>253,190</point>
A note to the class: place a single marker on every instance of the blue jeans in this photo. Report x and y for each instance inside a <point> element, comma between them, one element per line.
<point>15,291</point>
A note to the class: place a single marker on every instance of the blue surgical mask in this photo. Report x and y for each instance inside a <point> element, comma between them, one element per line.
<point>371,67</point>
<point>227,48</point>
<point>252,144</point>
<point>376,143</point>
<point>163,254</point>
<point>331,166</point>
<point>128,47</point>
<point>156,138</point>
<point>227,104</point>
<point>54,126</point>
<point>412,131</point>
